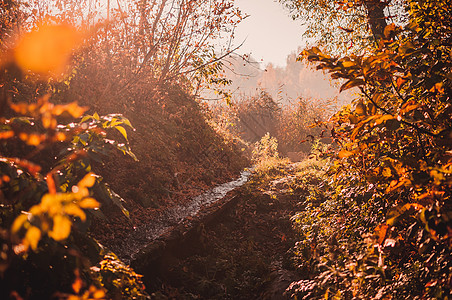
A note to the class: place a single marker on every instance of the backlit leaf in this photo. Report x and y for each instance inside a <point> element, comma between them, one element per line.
<point>89,203</point>
<point>18,222</point>
<point>122,130</point>
<point>87,181</point>
<point>6,134</point>
<point>33,236</point>
<point>383,119</point>
<point>352,83</point>
<point>75,110</point>
<point>348,63</point>
<point>78,283</point>
<point>381,231</point>
<point>46,49</point>
<point>61,228</point>
<point>75,211</point>
<point>345,153</point>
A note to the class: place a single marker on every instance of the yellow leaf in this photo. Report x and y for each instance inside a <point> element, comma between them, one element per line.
<point>49,200</point>
<point>61,228</point>
<point>46,49</point>
<point>74,210</point>
<point>33,236</point>
<point>36,210</point>
<point>87,181</point>
<point>122,130</point>
<point>18,222</point>
<point>75,110</point>
<point>88,203</point>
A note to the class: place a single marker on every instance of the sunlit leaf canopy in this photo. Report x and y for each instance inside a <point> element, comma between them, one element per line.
<point>393,165</point>
<point>155,40</point>
<point>342,27</point>
<point>397,134</point>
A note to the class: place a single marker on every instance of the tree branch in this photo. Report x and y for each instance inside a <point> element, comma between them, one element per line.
<point>417,128</point>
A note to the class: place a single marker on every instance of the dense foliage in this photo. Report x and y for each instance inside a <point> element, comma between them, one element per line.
<point>382,228</point>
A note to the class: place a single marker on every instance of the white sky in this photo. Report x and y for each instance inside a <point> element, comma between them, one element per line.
<point>270,32</point>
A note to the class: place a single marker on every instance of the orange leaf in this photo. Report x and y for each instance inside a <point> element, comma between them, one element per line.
<point>51,184</point>
<point>78,283</point>
<point>345,153</point>
<point>381,231</point>
<point>75,110</point>
<point>46,49</point>
<point>87,181</point>
<point>400,81</point>
<point>32,237</point>
<point>6,134</point>
<point>89,203</point>
<point>61,228</point>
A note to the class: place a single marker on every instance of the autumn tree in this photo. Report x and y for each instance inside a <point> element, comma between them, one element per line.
<point>155,43</point>
<point>346,26</point>
<point>48,191</point>
<point>393,171</point>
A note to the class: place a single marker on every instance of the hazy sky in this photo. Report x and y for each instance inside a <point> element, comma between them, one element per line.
<point>270,32</point>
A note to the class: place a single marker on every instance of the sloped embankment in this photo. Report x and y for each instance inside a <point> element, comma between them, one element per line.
<point>179,154</point>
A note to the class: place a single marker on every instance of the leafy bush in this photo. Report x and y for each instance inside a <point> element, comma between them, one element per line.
<point>380,226</point>
<point>49,192</point>
<point>266,148</point>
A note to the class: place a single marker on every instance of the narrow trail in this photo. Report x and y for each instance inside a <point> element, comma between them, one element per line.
<point>240,252</point>
<point>129,246</point>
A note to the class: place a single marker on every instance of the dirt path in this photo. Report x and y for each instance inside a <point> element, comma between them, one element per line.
<point>241,254</point>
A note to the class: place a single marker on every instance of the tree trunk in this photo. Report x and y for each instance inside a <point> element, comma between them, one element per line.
<point>376,17</point>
